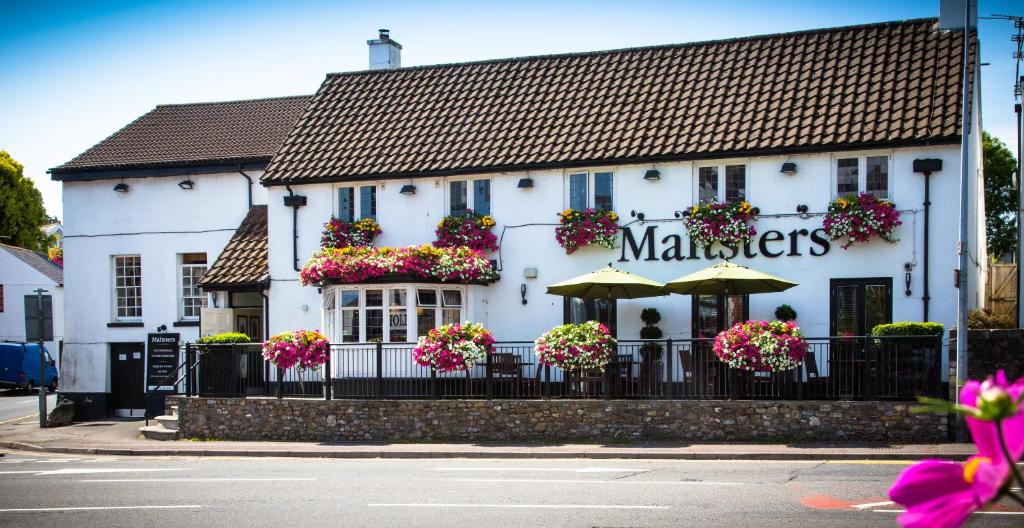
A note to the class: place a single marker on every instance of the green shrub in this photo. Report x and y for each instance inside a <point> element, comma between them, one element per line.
<point>987,320</point>
<point>650,317</point>
<point>908,328</point>
<point>225,338</point>
<point>785,312</point>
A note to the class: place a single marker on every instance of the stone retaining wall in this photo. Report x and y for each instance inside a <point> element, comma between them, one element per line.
<point>547,420</point>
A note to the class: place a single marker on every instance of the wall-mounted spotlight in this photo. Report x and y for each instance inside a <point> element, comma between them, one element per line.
<point>522,292</point>
<point>638,216</point>
<point>186,185</point>
<point>680,214</point>
<point>788,168</point>
<point>408,189</point>
<point>756,211</point>
<point>121,187</point>
<point>802,211</point>
<point>525,183</point>
<point>652,175</point>
<point>161,328</point>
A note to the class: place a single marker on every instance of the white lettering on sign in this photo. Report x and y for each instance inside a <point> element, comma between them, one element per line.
<point>122,357</point>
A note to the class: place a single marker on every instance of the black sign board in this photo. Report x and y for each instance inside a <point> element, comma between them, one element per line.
<point>161,361</point>
<point>33,331</point>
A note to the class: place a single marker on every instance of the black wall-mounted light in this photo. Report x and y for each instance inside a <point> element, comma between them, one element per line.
<point>187,185</point>
<point>638,216</point>
<point>525,183</point>
<point>652,175</point>
<point>408,189</point>
<point>907,268</point>
<point>121,188</point>
<point>788,168</point>
<point>522,291</point>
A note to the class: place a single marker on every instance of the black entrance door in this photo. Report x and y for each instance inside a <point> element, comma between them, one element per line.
<point>127,378</point>
<point>856,306</point>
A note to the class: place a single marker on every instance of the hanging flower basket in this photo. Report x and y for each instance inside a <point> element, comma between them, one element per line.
<point>726,223</point>
<point>763,346</point>
<point>56,255</point>
<point>353,265</point>
<point>305,349</point>
<point>588,227</point>
<point>576,347</point>
<point>470,229</point>
<point>852,219</point>
<point>454,347</point>
<point>340,234</point>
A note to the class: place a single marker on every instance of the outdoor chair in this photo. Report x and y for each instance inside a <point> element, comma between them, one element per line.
<point>698,381</point>
<point>625,374</point>
<point>507,366</point>
<point>816,383</point>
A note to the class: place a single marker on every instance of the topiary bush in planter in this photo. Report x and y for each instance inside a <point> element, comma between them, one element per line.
<point>225,338</point>
<point>221,372</point>
<point>785,312</point>
<point>908,328</point>
<point>650,317</point>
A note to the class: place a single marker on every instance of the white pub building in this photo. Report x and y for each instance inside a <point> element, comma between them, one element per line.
<point>162,225</point>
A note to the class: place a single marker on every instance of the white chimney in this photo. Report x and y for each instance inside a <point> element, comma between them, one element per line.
<point>951,13</point>
<point>385,54</point>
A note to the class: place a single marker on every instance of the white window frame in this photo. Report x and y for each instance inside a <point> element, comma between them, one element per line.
<point>720,167</point>
<point>332,316</point>
<point>470,194</point>
<point>591,186</point>
<point>862,172</point>
<point>357,202</point>
<point>182,266</point>
<point>114,289</point>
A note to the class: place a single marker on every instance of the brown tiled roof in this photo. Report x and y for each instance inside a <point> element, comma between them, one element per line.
<point>38,262</point>
<point>195,134</point>
<point>880,84</point>
<point>243,263</point>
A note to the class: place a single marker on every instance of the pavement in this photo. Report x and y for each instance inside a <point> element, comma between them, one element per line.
<point>85,491</point>
<point>121,437</point>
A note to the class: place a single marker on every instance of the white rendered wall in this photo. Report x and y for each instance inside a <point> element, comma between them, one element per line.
<point>20,279</point>
<point>156,220</point>
<point>411,220</point>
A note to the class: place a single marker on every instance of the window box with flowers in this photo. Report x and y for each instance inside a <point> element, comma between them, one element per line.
<point>469,229</point>
<point>590,226</point>
<point>855,219</point>
<point>726,223</point>
<point>354,265</point>
<point>340,234</point>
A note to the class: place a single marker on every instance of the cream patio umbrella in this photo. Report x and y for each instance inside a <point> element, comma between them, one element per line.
<point>727,279</point>
<point>608,283</point>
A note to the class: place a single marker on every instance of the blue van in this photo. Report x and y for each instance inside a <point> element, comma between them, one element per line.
<point>19,366</point>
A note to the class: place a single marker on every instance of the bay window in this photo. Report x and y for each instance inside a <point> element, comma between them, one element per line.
<point>390,314</point>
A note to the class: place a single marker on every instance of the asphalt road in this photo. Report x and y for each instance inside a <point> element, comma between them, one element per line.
<point>52,490</point>
<point>16,404</point>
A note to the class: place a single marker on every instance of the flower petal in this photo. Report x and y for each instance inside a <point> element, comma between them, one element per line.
<point>928,480</point>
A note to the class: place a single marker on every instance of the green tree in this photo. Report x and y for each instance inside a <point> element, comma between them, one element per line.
<point>21,207</point>
<point>1000,197</point>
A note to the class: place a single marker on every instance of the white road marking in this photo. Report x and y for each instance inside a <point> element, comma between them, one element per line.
<point>28,401</point>
<point>872,504</point>
<point>976,513</point>
<point>572,481</point>
<point>525,506</point>
<point>18,472</point>
<point>574,470</point>
<point>18,419</point>
<point>58,460</point>
<point>91,508</point>
<point>17,460</point>
<point>86,471</point>
<point>215,479</point>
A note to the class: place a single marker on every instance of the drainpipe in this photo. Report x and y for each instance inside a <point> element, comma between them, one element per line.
<point>926,167</point>
<point>246,176</point>
<point>266,315</point>
<point>294,201</point>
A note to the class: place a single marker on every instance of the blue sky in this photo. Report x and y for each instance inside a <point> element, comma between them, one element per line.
<point>74,72</point>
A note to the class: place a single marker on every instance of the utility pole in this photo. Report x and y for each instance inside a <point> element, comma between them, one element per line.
<point>42,360</point>
<point>963,245</point>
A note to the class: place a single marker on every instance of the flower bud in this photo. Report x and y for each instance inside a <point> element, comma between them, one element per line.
<point>994,403</point>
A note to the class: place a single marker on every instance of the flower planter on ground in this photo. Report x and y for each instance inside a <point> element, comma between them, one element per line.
<point>340,234</point>
<point>762,346</point>
<point>591,226</point>
<point>857,219</point>
<point>726,223</point>
<point>454,347</point>
<point>353,265</point>
<point>469,229</point>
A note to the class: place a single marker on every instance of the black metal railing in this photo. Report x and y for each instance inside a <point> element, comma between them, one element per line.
<point>835,368</point>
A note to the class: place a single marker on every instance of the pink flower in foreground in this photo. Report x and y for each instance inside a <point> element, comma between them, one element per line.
<point>939,493</point>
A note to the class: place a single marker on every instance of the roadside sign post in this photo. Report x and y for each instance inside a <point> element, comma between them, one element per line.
<point>39,328</point>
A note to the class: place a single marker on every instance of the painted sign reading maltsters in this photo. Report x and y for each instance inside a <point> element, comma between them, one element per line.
<point>650,245</point>
<point>162,359</point>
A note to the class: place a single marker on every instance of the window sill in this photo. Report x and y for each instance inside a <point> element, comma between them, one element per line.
<point>126,324</point>
<point>185,323</point>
